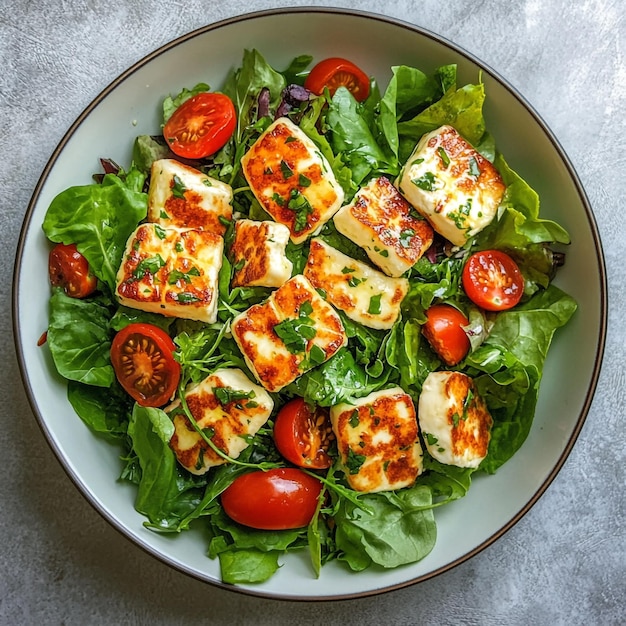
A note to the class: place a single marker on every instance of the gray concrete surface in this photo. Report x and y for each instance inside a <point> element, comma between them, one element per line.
<point>563,563</point>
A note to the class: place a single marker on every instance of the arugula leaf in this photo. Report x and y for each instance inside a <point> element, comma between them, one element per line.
<point>98,219</point>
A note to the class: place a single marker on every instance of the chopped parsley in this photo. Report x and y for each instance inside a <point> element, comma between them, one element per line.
<point>206,182</point>
<point>159,231</point>
<point>178,188</point>
<point>176,275</point>
<point>163,215</point>
<point>426,181</point>
<point>295,333</point>
<point>301,207</point>
<point>474,170</point>
<point>348,270</point>
<point>354,461</point>
<point>226,395</point>
<point>149,265</point>
<point>431,440</point>
<point>444,157</point>
<point>290,139</point>
<point>406,236</point>
<point>187,298</point>
<point>279,200</point>
<point>354,418</point>
<point>353,281</point>
<point>374,307</point>
<point>286,170</point>
<point>304,181</point>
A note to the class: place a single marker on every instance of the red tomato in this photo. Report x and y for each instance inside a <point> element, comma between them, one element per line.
<point>201,125</point>
<point>69,269</point>
<point>278,499</point>
<point>302,436</point>
<point>492,280</point>
<point>143,360</point>
<point>334,73</point>
<point>444,331</point>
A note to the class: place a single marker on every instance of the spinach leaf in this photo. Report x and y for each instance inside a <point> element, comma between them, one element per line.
<point>165,494</point>
<point>248,566</point>
<point>98,219</point>
<point>408,89</point>
<point>352,137</point>
<point>79,339</point>
<point>105,411</point>
<point>401,529</point>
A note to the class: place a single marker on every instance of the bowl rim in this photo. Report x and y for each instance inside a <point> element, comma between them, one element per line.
<point>457,49</point>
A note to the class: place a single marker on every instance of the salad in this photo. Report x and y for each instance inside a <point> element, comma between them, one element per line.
<point>307,311</point>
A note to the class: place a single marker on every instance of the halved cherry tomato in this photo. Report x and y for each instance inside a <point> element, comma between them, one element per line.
<point>445,333</point>
<point>303,435</point>
<point>492,280</point>
<point>336,72</point>
<point>201,125</point>
<point>277,499</point>
<point>69,269</point>
<point>143,360</point>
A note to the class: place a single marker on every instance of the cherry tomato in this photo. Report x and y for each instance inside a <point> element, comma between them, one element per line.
<point>492,280</point>
<point>302,436</point>
<point>69,269</point>
<point>201,125</point>
<point>334,73</point>
<point>143,360</point>
<point>445,333</point>
<point>278,499</point>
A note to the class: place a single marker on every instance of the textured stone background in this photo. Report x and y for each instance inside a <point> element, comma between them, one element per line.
<point>564,563</point>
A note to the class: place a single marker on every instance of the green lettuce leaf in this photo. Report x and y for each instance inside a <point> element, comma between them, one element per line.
<point>98,218</point>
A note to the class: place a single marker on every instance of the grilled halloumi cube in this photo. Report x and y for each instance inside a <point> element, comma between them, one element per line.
<point>377,439</point>
<point>364,294</point>
<point>258,254</point>
<point>386,226</point>
<point>452,185</point>
<point>454,420</point>
<point>171,271</point>
<point>226,404</point>
<point>288,334</point>
<point>291,179</point>
<point>184,197</point>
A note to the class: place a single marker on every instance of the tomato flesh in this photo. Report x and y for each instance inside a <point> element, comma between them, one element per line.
<point>279,499</point>
<point>69,269</point>
<point>200,126</point>
<point>492,280</point>
<point>143,360</point>
<point>337,72</point>
<point>303,435</point>
<point>444,330</point>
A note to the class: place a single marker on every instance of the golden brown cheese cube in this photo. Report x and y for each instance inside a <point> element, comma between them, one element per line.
<point>291,179</point>
<point>364,294</point>
<point>291,332</point>
<point>184,197</point>
<point>454,419</point>
<point>386,226</point>
<point>171,271</point>
<point>226,404</point>
<point>452,185</point>
<point>378,442</point>
<point>258,254</point>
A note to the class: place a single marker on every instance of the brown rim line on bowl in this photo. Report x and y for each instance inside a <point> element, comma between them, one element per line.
<point>128,107</point>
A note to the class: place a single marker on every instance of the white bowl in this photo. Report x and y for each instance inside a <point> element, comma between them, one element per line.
<point>130,106</point>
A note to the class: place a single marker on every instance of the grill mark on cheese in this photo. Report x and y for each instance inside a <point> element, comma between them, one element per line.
<point>229,423</point>
<point>273,167</point>
<point>383,429</point>
<point>379,219</point>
